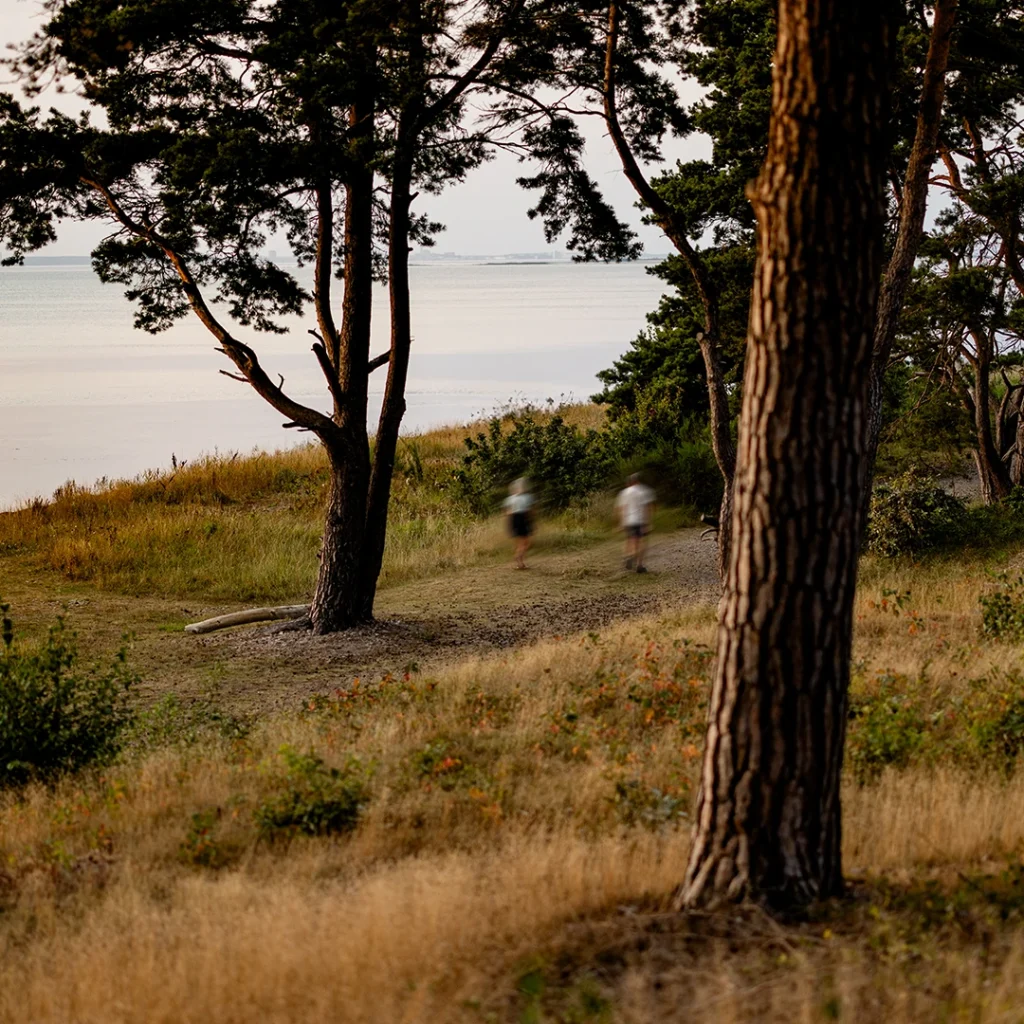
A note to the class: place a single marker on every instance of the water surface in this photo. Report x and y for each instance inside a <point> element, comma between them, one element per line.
<point>83,395</point>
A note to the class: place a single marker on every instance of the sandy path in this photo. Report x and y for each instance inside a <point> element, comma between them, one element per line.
<point>473,611</point>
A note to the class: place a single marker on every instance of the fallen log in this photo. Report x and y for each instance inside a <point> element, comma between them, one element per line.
<point>285,611</point>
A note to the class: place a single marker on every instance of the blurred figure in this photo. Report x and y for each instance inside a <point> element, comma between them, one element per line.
<point>519,512</point>
<point>635,505</point>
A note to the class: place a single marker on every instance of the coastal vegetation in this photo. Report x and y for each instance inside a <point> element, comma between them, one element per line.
<point>246,528</point>
<point>493,835</point>
<point>324,126</point>
<point>770,777</point>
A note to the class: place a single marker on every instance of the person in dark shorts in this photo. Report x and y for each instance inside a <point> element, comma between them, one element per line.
<point>635,505</point>
<point>519,512</point>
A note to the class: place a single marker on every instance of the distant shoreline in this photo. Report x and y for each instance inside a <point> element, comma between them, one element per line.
<point>57,261</point>
<point>492,260</point>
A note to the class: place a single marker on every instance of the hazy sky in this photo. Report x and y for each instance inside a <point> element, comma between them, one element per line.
<point>486,214</point>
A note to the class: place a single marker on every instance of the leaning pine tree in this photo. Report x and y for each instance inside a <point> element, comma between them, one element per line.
<point>220,125</point>
<point>768,814</point>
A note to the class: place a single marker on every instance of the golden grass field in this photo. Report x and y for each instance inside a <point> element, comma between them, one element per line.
<point>523,811</point>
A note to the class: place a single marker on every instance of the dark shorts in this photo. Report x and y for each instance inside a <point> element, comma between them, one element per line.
<point>520,525</point>
<point>637,532</point>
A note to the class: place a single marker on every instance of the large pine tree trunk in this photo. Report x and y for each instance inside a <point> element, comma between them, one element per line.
<point>340,598</point>
<point>340,601</point>
<point>768,816</point>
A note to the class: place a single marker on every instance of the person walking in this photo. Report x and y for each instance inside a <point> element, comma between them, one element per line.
<point>635,506</point>
<point>519,513</point>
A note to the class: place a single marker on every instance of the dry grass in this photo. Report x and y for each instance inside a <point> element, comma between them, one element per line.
<point>523,833</point>
<point>924,818</point>
<point>247,528</point>
<point>526,820</point>
<point>399,942</point>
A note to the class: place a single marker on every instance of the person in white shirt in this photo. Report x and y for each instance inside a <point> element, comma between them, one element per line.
<point>635,506</point>
<point>519,512</point>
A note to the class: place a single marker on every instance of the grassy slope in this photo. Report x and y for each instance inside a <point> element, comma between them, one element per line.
<point>248,528</point>
<point>526,820</point>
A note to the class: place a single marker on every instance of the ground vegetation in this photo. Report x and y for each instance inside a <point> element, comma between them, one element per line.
<point>365,848</point>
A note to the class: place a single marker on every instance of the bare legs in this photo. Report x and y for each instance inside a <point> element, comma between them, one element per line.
<point>522,546</point>
<point>636,549</point>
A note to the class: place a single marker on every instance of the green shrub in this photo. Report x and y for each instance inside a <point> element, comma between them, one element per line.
<point>683,470</point>
<point>443,764</point>
<point>887,729</point>
<point>55,717</point>
<point>172,722</point>
<point>316,800</point>
<point>1001,739</point>
<point>1014,502</point>
<point>1002,610</point>
<point>672,449</point>
<point>562,461</point>
<point>566,464</point>
<point>199,848</point>
<point>912,514</point>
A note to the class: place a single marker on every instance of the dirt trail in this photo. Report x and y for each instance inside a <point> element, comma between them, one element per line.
<point>472,611</point>
<point>457,614</point>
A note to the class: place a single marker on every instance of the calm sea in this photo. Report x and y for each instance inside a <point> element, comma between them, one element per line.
<point>83,395</point>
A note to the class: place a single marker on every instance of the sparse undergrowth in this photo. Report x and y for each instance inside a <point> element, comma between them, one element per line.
<point>55,716</point>
<point>495,841</point>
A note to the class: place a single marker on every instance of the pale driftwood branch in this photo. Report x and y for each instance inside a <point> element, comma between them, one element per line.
<point>285,611</point>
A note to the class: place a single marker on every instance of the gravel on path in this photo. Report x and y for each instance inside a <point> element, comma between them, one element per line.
<point>475,612</point>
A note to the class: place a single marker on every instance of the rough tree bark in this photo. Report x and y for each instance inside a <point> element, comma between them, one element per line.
<point>768,817</point>
<point>709,339</point>
<point>339,597</point>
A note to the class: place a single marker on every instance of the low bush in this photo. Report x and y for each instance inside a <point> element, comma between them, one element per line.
<point>1000,738</point>
<point>561,460</point>
<point>1002,609</point>
<point>912,514</point>
<point>682,469</point>
<point>1000,523</point>
<point>199,847</point>
<point>899,721</point>
<point>315,800</point>
<point>888,729</point>
<point>566,463</point>
<point>443,763</point>
<point>55,717</point>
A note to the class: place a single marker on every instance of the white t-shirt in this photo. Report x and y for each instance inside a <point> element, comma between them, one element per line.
<point>634,505</point>
<point>518,503</point>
